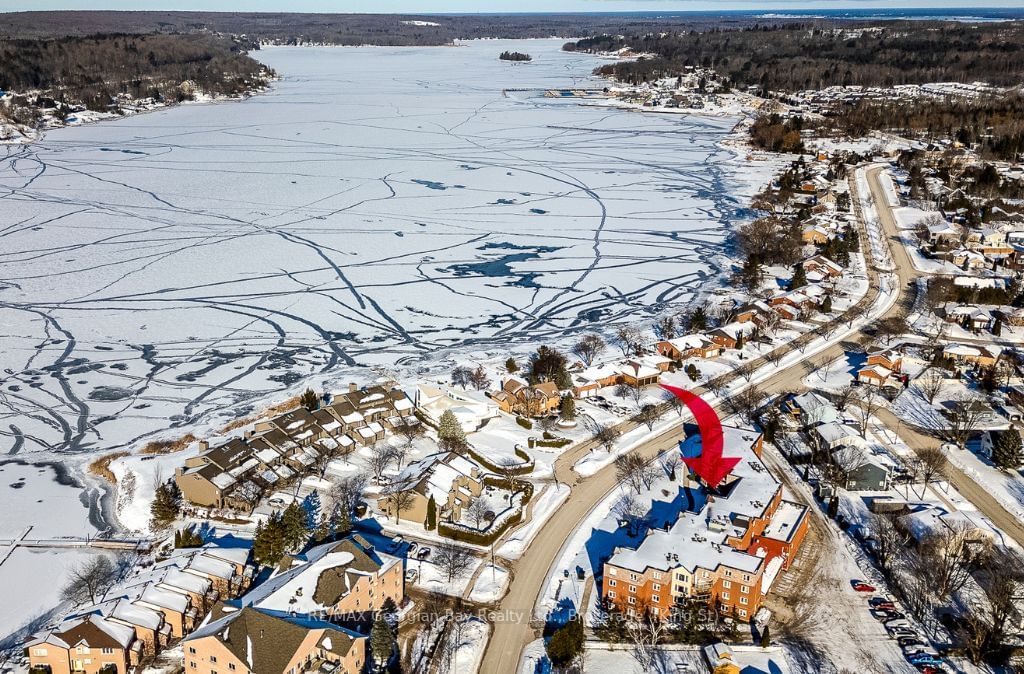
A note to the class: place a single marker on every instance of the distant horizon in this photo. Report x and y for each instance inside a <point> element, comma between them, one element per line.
<point>521,7</point>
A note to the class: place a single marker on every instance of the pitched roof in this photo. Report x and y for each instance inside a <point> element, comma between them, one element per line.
<point>268,640</point>
<point>93,629</point>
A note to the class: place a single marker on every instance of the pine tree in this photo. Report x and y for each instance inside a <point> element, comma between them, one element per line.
<point>766,638</point>
<point>166,505</point>
<point>997,327</point>
<point>343,521</point>
<point>311,505</point>
<point>323,529</point>
<point>293,526</point>
<point>268,543</point>
<point>431,522</point>
<point>511,365</point>
<point>310,400</point>
<point>382,642</point>
<point>799,279</point>
<point>826,305</point>
<point>699,319</point>
<point>567,408</point>
<point>566,644</point>
<point>739,341</point>
<point>449,430</point>
<point>1006,452</point>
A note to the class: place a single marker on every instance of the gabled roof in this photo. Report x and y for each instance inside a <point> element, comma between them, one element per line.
<point>267,641</point>
<point>93,630</point>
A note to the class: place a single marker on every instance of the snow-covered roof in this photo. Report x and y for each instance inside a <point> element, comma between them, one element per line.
<point>834,432</point>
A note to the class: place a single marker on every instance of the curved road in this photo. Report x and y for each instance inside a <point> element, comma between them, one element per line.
<point>512,628</point>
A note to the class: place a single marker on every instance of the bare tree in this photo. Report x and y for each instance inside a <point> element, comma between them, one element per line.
<point>747,402</point>
<point>399,453</point>
<point>410,430</point>
<point>671,464</point>
<point>842,462</point>
<point>843,396</point>
<point>453,560</point>
<point>629,340</point>
<point>945,558</point>
<point>964,414</point>
<point>890,540</point>
<point>604,434</point>
<point>987,625</point>
<point>774,357</point>
<point>461,376</point>
<point>648,416</point>
<point>399,500</point>
<point>673,401</point>
<point>634,394</point>
<point>346,492</point>
<point>381,455</point>
<point>89,581</point>
<point>716,386</point>
<point>930,463</point>
<point>868,401</point>
<point>890,327</point>
<point>589,348</point>
<point>931,384</point>
<point>646,632</point>
<point>477,512</point>
<point>508,468</point>
<point>632,470</point>
<point>479,379</point>
<point>632,512</point>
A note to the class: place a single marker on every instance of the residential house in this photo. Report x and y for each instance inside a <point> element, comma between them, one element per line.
<point>453,480</point>
<point>812,409</point>
<point>90,644</point>
<point>868,475</point>
<point>822,265</point>
<point>260,641</point>
<point>968,316</point>
<point>728,335</point>
<point>815,234</point>
<point>152,633</point>
<point>689,346</point>
<point>835,435</point>
<point>644,371</point>
<point>433,402</point>
<point>927,521</point>
<point>347,579</point>
<point>943,233</point>
<point>965,354</point>
<point>518,397</point>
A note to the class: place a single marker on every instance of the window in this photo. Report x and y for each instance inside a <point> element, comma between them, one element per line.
<point>612,571</point>
<point>725,596</point>
<point>106,651</point>
<point>656,599</point>
<point>655,586</point>
<point>633,576</point>
<point>192,664</point>
<point>743,614</point>
<point>656,575</point>
<point>191,650</point>
<point>231,666</point>
<point>632,588</point>
<point>728,573</point>
<point>632,600</point>
<point>611,594</point>
<point>39,651</point>
<point>746,578</point>
<point>743,600</point>
<point>726,584</point>
<point>612,583</point>
<point>213,658</point>
<point>654,611</point>
<point>744,589</point>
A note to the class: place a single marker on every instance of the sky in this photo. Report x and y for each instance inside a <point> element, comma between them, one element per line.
<point>471,6</point>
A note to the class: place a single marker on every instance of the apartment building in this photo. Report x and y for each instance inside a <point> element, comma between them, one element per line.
<point>89,644</point>
<point>725,550</point>
<point>452,479</point>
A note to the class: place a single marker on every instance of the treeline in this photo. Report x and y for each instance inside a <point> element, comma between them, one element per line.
<point>813,55</point>
<point>348,29</point>
<point>993,125</point>
<point>92,71</point>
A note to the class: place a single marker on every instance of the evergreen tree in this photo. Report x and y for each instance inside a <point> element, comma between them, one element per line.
<point>166,505</point>
<point>799,279</point>
<point>268,543</point>
<point>997,327</point>
<point>752,275</point>
<point>567,408</point>
<point>293,526</point>
<point>310,400</point>
<point>187,538</point>
<point>566,644</point>
<point>382,642</point>
<point>699,319</point>
<point>739,341</point>
<point>1006,452</point>
<point>431,522</point>
<point>449,431</point>
<point>766,638</point>
<point>323,529</point>
<point>311,506</point>
<point>563,380</point>
<point>826,305</point>
<point>343,521</point>
<point>511,365</point>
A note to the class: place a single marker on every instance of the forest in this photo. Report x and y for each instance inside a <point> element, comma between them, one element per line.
<point>350,29</point>
<point>514,56</point>
<point>813,55</point>
<point>92,70</point>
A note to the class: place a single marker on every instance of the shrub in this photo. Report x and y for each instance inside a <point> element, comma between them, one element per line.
<point>525,423</point>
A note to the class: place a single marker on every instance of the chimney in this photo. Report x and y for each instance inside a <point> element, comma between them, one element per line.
<point>204,445</point>
<point>352,387</point>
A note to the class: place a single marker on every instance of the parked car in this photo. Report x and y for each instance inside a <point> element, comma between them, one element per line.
<point>893,615</point>
<point>396,543</point>
<point>885,614</point>
<point>881,602</point>
<point>423,553</point>
<point>918,660</point>
<point>930,669</point>
<point>410,575</point>
<point>920,649</point>
<point>909,641</point>
<point>412,547</point>
<point>861,586</point>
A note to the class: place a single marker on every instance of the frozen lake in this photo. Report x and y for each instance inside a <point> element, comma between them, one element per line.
<point>379,206</point>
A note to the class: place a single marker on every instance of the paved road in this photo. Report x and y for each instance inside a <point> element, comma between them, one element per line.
<point>513,631</point>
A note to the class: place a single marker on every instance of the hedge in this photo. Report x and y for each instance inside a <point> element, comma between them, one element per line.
<point>525,423</point>
<point>478,537</point>
<point>522,469</point>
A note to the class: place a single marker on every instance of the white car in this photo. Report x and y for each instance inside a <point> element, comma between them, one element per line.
<point>410,575</point>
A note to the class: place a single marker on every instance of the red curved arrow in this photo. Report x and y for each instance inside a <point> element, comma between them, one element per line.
<point>710,466</point>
